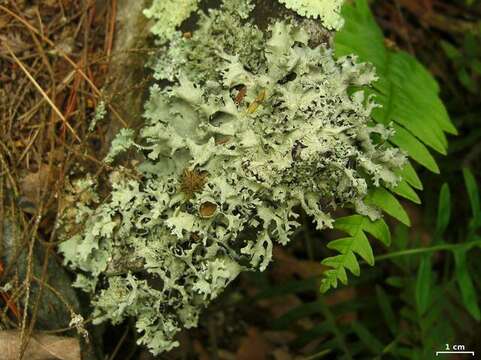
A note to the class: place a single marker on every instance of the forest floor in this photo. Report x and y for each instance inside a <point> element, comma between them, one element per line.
<point>54,61</point>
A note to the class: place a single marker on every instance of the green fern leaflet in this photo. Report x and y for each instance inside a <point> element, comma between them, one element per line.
<point>409,99</point>
<point>408,93</point>
<point>356,243</point>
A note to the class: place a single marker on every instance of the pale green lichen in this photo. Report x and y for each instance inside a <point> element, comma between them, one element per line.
<point>123,141</point>
<point>100,113</point>
<point>251,128</point>
<point>327,10</point>
<point>78,323</point>
<point>168,15</point>
<point>222,31</point>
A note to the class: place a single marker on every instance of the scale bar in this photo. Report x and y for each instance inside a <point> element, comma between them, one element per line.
<point>455,352</point>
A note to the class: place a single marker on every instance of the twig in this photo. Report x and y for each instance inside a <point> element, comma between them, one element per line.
<point>24,338</point>
<point>60,87</point>
<point>39,88</point>
<point>111,32</point>
<point>29,145</point>
<point>68,59</point>
<point>119,344</point>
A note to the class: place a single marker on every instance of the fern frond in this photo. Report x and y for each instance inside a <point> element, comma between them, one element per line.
<point>410,103</point>
<point>407,192</point>
<point>420,305</point>
<point>356,244</point>
<point>409,95</point>
<point>384,200</point>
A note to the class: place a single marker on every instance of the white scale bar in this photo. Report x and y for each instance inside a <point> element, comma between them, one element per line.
<point>454,352</point>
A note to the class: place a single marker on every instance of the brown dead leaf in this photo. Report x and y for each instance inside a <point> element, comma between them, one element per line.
<point>40,347</point>
<point>278,306</point>
<point>200,351</point>
<point>253,347</point>
<point>286,266</point>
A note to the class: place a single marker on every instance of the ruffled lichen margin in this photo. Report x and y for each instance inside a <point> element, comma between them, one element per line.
<point>328,11</point>
<point>253,128</point>
<point>167,15</point>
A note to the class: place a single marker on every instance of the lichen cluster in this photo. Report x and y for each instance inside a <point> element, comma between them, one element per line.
<point>329,11</point>
<point>253,128</point>
<point>167,15</point>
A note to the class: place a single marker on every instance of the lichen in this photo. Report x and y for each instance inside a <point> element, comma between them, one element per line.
<point>123,141</point>
<point>252,128</point>
<point>327,10</point>
<point>168,15</point>
<point>100,113</point>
